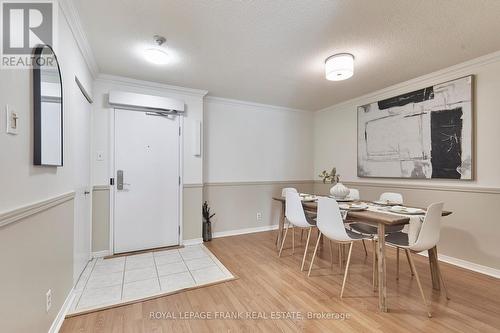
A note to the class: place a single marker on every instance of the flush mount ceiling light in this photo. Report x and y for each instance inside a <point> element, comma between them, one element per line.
<point>339,66</point>
<point>157,55</point>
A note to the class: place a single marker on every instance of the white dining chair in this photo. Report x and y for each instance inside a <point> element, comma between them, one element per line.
<point>286,189</point>
<point>331,225</point>
<point>428,238</point>
<point>369,229</point>
<point>283,194</point>
<point>294,214</point>
<point>353,194</point>
<point>396,198</point>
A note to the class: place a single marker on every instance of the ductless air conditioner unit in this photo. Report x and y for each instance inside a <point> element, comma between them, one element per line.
<point>156,104</point>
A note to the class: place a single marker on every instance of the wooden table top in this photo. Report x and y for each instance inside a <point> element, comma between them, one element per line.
<point>364,215</point>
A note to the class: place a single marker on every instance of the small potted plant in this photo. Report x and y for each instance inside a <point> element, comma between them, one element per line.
<point>207,224</point>
<point>329,177</point>
<point>338,190</point>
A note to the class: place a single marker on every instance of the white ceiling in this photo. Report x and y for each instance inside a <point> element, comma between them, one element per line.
<point>272,51</point>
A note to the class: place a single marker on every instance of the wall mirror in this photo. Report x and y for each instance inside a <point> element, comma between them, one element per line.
<point>48,108</point>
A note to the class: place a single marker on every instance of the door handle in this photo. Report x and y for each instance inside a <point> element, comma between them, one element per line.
<point>119,180</point>
<point>86,192</point>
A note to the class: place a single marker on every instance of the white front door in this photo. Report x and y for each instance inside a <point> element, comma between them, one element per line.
<point>80,134</point>
<point>147,181</point>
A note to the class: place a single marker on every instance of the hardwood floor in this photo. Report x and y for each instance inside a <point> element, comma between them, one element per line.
<point>268,285</point>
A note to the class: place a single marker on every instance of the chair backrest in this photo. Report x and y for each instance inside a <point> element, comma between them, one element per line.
<point>294,212</point>
<point>283,191</point>
<point>428,236</point>
<point>392,197</point>
<point>329,220</point>
<point>353,194</point>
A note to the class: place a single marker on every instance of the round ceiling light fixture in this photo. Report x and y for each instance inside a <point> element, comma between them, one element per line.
<point>339,67</point>
<point>157,55</point>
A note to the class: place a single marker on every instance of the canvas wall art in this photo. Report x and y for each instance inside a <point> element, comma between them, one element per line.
<point>426,133</point>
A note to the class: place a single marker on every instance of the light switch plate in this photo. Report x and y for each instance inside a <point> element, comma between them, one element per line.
<point>11,120</point>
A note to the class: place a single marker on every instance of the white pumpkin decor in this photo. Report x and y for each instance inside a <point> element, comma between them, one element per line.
<point>339,191</point>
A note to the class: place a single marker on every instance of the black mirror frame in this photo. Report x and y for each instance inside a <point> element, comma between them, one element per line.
<point>37,106</point>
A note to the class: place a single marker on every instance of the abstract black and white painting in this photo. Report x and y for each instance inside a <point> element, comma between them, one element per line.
<point>426,133</point>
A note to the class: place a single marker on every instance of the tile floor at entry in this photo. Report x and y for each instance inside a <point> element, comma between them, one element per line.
<point>107,282</point>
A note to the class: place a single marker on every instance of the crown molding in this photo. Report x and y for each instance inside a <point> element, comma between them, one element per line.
<point>126,81</point>
<point>443,75</point>
<point>73,18</point>
<point>237,102</point>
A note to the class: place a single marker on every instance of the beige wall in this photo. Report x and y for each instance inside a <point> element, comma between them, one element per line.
<point>191,219</point>
<point>252,151</point>
<point>236,204</point>
<point>100,219</point>
<point>36,254</point>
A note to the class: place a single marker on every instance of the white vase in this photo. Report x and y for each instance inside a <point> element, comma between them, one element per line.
<point>339,191</point>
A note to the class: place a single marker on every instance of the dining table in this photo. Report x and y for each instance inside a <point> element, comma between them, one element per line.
<point>381,220</point>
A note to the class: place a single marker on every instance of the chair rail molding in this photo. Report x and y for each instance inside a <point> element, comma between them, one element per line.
<point>34,208</point>
<point>193,185</point>
<point>424,187</point>
<point>263,182</point>
<point>101,188</point>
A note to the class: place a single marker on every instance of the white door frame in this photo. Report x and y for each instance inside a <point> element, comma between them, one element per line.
<point>112,139</point>
<point>81,90</point>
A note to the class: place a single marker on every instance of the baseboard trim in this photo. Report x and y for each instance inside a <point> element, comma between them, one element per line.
<point>101,254</point>
<point>194,241</point>
<point>244,231</point>
<point>493,272</point>
<point>58,321</point>
<point>35,208</point>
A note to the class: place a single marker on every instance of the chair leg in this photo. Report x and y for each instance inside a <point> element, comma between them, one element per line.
<point>412,264</point>
<point>397,263</point>
<point>442,282</point>
<point>375,265</point>
<point>340,256</point>
<point>346,270</point>
<point>301,234</point>
<point>411,268</point>
<point>305,250</point>
<point>293,239</point>
<point>283,241</point>
<point>364,246</point>
<point>314,254</point>
<point>331,252</point>
<point>279,233</point>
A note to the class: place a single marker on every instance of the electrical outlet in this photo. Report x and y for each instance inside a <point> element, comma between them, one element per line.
<point>259,217</point>
<point>48,300</point>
